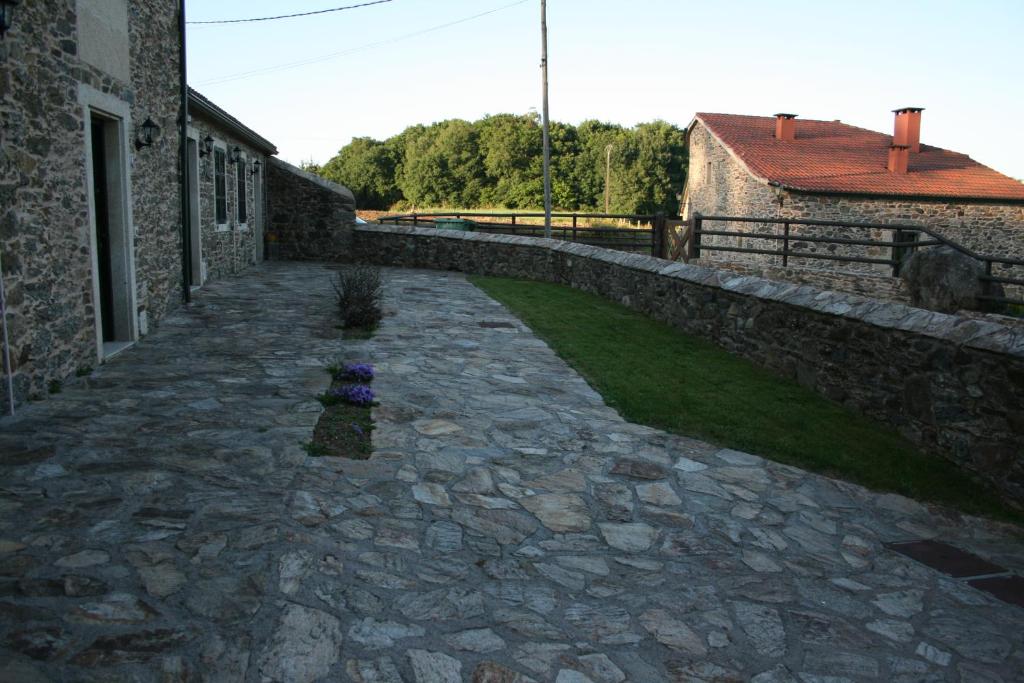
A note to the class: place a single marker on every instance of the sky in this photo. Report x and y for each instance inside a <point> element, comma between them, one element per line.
<point>311,84</point>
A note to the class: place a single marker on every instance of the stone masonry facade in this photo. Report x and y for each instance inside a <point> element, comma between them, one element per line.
<point>953,385</point>
<point>718,184</point>
<point>45,234</point>
<point>309,218</point>
<point>227,248</point>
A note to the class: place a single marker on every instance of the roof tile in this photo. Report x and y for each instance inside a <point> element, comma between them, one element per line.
<point>833,157</point>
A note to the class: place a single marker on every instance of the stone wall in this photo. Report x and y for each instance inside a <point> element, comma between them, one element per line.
<point>953,385</point>
<point>309,218</point>
<point>230,248</point>
<point>45,236</point>
<point>718,184</point>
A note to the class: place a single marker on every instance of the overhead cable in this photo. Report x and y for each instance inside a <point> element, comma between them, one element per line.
<point>290,16</point>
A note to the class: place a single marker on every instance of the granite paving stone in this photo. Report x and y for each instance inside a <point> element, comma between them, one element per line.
<point>162,521</point>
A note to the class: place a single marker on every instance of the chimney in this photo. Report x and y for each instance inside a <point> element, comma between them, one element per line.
<point>899,158</point>
<point>785,127</point>
<point>908,128</point>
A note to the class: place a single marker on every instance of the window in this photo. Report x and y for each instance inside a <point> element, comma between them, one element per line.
<point>242,203</point>
<point>220,186</point>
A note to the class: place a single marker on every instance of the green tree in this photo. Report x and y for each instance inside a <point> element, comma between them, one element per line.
<point>367,167</point>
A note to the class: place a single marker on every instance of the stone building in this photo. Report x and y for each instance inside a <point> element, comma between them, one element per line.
<point>783,167</point>
<point>93,197</point>
<point>227,198</point>
<point>91,218</point>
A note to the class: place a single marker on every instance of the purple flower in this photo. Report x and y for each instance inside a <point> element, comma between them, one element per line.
<point>356,372</point>
<point>356,394</point>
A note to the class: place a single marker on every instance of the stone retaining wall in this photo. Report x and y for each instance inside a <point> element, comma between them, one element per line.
<point>309,218</point>
<point>953,385</point>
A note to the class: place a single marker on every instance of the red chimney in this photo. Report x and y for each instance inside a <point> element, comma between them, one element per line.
<point>785,127</point>
<point>908,128</point>
<point>899,158</point>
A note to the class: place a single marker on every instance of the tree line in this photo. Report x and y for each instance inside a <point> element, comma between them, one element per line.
<point>497,162</point>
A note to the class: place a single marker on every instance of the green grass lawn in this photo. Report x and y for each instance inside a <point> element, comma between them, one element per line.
<point>656,375</point>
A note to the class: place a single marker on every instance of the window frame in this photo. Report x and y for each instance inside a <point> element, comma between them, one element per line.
<point>220,151</point>
<point>241,193</point>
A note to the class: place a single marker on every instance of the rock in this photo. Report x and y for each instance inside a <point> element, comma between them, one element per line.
<point>945,280</point>
<point>476,480</point>
<point>607,625</point>
<point>131,647</point>
<point>444,537</point>
<point>492,672</point>
<point>638,469</point>
<point>431,494</point>
<point>86,558</point>
<point>687,465</point>
<point>539,657</point>
<point>572,676</point>
<point>659,493</point>
<point>444,604</point>
<point>601,669</point>
<point>435,427</point>
<point>933,654</point>
<point>561,512</point>
<point>304,646</point>
<point>901,603</point>
<point>760,562</point>
<point>375,634</point>
<point>434,667</point>
<point>899,631</point>
<point>629,537</point>
<point>380,670</point>
<point>476,640</point>
<point>763,627</point>
<point>162,579</point>
<point>117,608</point>
<point>672,632</point>
<point>41,643</point>
<point>563,577</point>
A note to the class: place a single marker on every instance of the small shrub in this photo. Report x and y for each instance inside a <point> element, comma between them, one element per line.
<point>355,372</point>
<point>55,386</point>
<point>83,371</point>
<point>353,394</point>
<point>358,289</point>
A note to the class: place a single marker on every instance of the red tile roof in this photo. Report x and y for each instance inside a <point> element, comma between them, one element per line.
<point>835,158</point>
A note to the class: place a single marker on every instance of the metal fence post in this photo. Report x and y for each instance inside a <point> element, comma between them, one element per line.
<point>415,220</point>
<point>785,244</point>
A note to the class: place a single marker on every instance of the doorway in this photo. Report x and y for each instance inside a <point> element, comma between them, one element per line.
<point>111,239</point>
<point>195,226</point>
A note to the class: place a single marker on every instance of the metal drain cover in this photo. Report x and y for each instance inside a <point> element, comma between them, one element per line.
<point>947,559</point>
<point>1007,588</point>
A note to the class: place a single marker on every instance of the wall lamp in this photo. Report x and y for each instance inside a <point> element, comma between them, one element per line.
<point>6,15</point>
<point>255,167</point>
<point>147,134</point>
<point>236,154</point>
<point>206,148</point>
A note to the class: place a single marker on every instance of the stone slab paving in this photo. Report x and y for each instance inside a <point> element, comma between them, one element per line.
<point>161,522</point>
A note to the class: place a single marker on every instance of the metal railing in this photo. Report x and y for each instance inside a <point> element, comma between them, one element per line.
<point>904,239</point>
<point>623,239</point>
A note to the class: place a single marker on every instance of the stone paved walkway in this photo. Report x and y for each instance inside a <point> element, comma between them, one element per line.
<point>161,522</point>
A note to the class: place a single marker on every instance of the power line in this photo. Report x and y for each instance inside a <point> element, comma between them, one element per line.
<point>323,58</point>
<point>290,16</point>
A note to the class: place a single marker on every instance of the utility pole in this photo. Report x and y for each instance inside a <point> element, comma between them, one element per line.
<point>607,174</point>
<point>545,122</point>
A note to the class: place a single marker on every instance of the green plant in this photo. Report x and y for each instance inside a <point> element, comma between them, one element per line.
<point>83,371</point>
<point>358,290</point>
<point>55,386</point>
<point>656,375</point>
<point>314,449</point>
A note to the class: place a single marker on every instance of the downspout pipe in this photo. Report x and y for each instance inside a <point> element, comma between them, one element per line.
<point>8,370</point>
<point>186,214</point>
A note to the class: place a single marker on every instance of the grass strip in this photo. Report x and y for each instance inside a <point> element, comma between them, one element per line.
<point>656,375</point>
